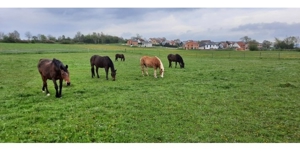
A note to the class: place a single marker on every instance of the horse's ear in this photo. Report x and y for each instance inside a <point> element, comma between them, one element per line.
<point>67,66</point>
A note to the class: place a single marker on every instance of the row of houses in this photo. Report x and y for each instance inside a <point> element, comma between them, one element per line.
<point>207,44</point>
<point>191,44</point>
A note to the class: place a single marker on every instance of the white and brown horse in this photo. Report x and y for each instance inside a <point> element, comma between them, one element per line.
<point>152,62</point>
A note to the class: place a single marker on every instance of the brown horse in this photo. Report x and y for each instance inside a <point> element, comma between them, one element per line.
<point>175,58</point>
<point>53,70</point>
<point>120,56</point>
<point>152,62</point>
<point>102,62</point>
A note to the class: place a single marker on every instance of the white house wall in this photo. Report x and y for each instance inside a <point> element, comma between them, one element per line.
<point>211,47</point>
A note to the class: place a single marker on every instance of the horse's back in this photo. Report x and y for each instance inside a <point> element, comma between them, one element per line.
<point>96,60</point>
<point>171,57</point>
<point>43,63</point>
<point>93,59</point>
<point>150,61</point>
<point>101,61</point>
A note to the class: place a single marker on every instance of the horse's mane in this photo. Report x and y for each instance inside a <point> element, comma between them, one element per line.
<point>179,58</point>
<point>111,63</point>
<point>161,66</point>
<point>59,65</point>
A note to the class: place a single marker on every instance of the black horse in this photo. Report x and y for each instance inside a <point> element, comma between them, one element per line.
<point>120,56</point>
<point>102,62</point>
<point>53,70</point>
<point>175,58</point>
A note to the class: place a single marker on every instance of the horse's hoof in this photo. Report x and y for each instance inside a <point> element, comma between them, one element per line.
<point>48,94</point>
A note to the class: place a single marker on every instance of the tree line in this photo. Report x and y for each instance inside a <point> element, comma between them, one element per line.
<point>94,38</point>
<point>101,38</point>
<point>286,43</point>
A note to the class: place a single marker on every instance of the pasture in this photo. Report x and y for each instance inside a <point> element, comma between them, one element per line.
<point>220,96</point>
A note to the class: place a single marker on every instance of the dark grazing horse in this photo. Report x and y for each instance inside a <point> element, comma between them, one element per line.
<point>120,56</point>
<point>102,62</point>
<point>53,70</point>
<point>175,58</point>
<point>152,62</point>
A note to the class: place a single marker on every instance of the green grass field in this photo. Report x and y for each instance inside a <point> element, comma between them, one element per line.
<point>220,96</point>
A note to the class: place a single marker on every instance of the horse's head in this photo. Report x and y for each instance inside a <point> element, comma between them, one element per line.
<point>162,70</point>
<point>113,74</point>
<point>65,74</point>
<point>181,64</point>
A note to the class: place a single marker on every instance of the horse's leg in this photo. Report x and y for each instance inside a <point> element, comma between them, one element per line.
<point>175,64</point>
<point>56,87</point>
<point>97,72</point>
<point>155,72</point>
<point>45,86</point>
<point>146,70</point>
<point>106,72</point>
<point>60,87</point>
<point>170,64</point>
<point>92,71</point>
<point>142,68</point>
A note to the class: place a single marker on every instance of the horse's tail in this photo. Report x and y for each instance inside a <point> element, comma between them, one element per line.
<point>142,62</point>
<point>92,60</point>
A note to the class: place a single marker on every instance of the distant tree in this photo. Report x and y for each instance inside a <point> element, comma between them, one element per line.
<point>51,38</point>
<point>287,43</point>
<point>42,37</point>
<point>35,38</point>
<point>266,44</point>
<point>28,35</point>
<point>139,36</point>
<point>290,40</point>
<point>78,37</point>
<point>1,35</point>
<point>14,35</point>
<point>88,39</point>
<point>95,37</point>
<point>253,45</point>
<point>245,39</point>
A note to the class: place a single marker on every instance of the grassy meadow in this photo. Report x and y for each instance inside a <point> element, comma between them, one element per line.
<point>220,96</point>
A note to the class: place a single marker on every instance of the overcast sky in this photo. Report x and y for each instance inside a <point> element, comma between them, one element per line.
<point>184,23</point>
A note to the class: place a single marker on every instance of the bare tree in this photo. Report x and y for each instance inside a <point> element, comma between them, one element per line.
<point>95,37</point>
<point>78,37</point>
<point>139,36</point>
<point>28,35</point>
<point>14,35</point>
<point>245,39</point>
<point>2,35</point>
<point>52,38</point>
<point>266,44</point>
